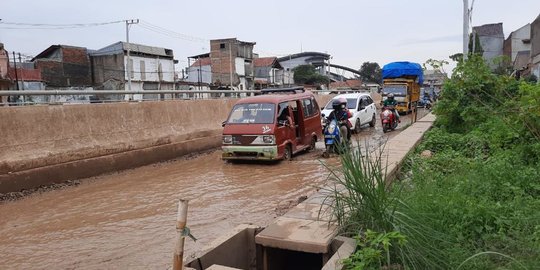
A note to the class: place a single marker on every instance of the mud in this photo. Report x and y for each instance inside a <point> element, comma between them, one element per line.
<point>126,220</point>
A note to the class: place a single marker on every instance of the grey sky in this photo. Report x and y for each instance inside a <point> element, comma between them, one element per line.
<point>352,31</point>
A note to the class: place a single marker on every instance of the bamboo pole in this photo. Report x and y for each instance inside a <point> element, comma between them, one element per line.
<point>181,219</point>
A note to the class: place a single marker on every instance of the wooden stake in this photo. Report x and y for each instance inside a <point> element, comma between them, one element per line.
<point>181,219</point>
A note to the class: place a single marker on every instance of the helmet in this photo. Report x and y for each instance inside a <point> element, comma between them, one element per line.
<point>343,103</point>
<point>391,96</point>
<point>339,103</point>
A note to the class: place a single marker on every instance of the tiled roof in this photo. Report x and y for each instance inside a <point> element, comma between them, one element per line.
<point>264,61</point>
<point>202,62</point>
<point>353,84</point>
<point>494,29</point>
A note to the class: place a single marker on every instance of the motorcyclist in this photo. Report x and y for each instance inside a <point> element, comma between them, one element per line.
<point>391,103</point>
<point>342,115</point>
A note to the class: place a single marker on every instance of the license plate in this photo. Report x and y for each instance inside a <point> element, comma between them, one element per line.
<point>329,141</point>
<point>329,136</point>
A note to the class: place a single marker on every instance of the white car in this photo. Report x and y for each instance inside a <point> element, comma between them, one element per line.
<point>360,105</point>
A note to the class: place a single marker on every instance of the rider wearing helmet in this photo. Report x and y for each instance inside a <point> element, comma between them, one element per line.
<point>391,102</point>
<point>342,115</point>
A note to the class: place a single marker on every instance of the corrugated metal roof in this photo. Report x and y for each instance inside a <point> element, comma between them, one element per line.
<point>120,47</point>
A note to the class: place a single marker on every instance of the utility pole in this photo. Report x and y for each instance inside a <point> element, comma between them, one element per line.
<point>465,29</point>
<point>22,72</point>
<point>128,67</point>
<point>15,66</point>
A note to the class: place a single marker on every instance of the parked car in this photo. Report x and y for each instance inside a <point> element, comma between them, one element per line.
<point>361,106</point>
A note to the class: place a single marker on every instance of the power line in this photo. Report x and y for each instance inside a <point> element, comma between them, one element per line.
<point>45,26</point>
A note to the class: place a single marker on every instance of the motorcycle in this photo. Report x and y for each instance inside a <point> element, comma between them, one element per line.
<point>426,102</point>
<point>388,119</point>
<point>333,138</point>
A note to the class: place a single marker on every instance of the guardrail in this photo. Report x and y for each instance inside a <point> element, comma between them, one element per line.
<point>32,97</point>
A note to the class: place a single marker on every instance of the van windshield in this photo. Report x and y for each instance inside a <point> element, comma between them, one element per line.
<point>351,104</point>
<point>252,113</point>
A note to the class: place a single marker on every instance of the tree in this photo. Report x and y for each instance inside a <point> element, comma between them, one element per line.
<point>307,74</point>
<point>437,65</point>
<point>370,72</point>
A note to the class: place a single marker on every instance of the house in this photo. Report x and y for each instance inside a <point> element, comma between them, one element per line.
<point>150,68</point>
<point>491,39</point>
<point>535,47</point>
<point>517,44</point>
<point>232,63</point>
<point>201,70</point>
<point>268,72</point>
<point>64,66</point>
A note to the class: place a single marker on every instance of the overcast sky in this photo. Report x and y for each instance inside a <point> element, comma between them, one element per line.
<point>352,31</point>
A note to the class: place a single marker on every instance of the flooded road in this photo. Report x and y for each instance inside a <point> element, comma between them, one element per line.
<point>126,220</point>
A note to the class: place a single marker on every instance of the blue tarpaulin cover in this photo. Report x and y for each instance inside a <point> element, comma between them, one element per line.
<point>400,69</point>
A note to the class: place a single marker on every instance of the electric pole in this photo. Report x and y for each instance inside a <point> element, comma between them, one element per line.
<point>466,19</point>
<point>128,66</point>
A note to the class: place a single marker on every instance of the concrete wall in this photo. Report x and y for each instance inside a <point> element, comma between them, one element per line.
<point>50,144</point>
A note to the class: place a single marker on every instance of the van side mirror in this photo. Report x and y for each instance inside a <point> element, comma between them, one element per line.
<point>223,123</point>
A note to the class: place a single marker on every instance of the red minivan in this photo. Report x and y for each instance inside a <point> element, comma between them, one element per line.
<point>272,126</point>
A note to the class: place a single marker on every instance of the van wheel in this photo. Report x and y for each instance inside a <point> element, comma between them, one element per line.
<point>372,123</point>
<point>312,144</point>
<point>357,126</point>
<point>287,154</point>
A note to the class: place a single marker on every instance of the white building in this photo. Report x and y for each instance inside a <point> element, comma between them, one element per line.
<point>150,68</point>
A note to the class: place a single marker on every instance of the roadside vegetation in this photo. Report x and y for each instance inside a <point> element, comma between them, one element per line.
<point>472,202</point>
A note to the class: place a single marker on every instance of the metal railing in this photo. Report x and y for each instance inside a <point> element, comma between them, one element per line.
<point>32,97</point>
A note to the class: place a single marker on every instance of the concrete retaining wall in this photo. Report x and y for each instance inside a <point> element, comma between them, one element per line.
<point>51,144</point>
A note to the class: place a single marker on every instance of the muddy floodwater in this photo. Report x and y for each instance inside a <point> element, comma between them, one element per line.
<point>126,220</point>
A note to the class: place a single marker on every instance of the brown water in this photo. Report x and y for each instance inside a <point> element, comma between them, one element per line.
<point>127,220</point>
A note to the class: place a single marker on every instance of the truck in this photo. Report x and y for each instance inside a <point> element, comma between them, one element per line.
<point>403,79</point>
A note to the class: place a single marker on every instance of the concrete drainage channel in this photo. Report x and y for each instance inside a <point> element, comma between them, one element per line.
<point>305,237</point>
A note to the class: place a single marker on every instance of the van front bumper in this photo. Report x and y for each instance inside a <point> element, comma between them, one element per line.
<point>249,152</point>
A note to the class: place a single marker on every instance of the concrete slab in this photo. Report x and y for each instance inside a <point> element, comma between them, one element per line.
<point>298,235</point>
<point>311,211</point>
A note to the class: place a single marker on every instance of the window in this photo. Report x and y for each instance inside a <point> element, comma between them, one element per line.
<point>222,45</point>
<point>143,71</point>
<point>131,72</point>
<point>283,111</point>
<point>252,113</point>
<point>309,107</point>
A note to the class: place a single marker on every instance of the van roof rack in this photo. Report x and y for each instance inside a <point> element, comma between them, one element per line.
<point>288,90</point>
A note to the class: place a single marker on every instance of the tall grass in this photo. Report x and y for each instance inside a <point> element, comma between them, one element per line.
<point>361,199</point>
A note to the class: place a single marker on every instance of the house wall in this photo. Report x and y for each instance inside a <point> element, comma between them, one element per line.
<point>535,47</point>
<point>66,67</point>
<point>493,48</point>
<point>240,66</point>
<point>155,69</point>
<point>4,62</point>
<point>108,71</point>
<point>223,62</point>
<point>206,74</point>
<point>517,38</point>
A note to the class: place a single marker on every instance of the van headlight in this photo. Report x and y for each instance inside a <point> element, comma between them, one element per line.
<point>227,139</point>
<point>269,139</point>
<point>265,139</point>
